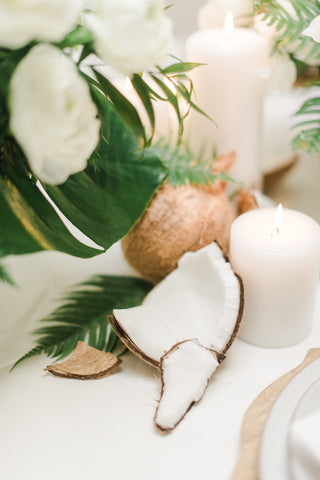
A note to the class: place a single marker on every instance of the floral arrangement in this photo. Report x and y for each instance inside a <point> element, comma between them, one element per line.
<point>73,146</point>
<point>67,134</point>
<point>72,143</point>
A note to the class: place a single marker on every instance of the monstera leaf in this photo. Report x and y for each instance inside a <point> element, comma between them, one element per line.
<point>104,201</point>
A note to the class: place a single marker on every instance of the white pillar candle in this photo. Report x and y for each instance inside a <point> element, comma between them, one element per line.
<point>229,88</point>
<point>279,266</point>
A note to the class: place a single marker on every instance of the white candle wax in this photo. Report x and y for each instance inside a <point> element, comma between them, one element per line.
<point>280,271</point>
<point>229,88</point>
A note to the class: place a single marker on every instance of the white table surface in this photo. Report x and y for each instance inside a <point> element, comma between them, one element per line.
<point>70,429</point>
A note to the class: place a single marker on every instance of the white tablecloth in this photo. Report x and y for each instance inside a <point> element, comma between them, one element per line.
<point>57,428</point>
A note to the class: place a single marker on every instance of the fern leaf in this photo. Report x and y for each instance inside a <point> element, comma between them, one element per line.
<point>290,24</point>
<point>308,138</point>
<point>83,315</point>
<point>184,167</point>
<point>32,353</point>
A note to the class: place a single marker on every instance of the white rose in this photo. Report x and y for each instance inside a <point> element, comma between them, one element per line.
<point>214,12</point>
<point>24,20</point>
<point>130,35</point>
<point>52,116</point>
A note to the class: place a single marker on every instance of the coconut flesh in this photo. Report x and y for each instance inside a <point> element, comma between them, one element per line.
<point>185,326</point>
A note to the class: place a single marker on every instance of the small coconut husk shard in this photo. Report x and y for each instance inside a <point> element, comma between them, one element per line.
<point>200,301</point>
<point>86,363</point>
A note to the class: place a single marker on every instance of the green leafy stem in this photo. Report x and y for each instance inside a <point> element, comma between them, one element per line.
<point>83,315</point>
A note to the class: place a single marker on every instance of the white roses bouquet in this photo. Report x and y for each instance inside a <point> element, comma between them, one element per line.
<point>55,121</point>
<point>70,133</point>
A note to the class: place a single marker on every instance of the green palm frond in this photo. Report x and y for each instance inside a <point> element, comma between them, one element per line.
<point>5,276</point>
<point>84,316</point>
<point>290,25</point>
<point>308,138</point>
<point>184,167</point>
<point>168,85</point>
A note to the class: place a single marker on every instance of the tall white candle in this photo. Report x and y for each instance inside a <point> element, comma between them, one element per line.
<point>229,88</point>
<point>279,265</point>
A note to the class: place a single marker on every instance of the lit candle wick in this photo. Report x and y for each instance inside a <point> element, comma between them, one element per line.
<point>228,25</point>
<point>277,220</point>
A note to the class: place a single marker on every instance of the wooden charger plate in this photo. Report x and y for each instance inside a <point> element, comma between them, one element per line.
<point>255,419</point>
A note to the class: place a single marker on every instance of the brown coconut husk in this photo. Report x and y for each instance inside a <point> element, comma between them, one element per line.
<point>180,219</point>
<point>245,201</point>
<point>86,363</point>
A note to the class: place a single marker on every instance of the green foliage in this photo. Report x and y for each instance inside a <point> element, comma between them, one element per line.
<point>184,167</point>
<point>28,222</point>
<point>169,84</point>
<point>122,106</point>
<point>79,36</point>
<point>309,137</point>
<point>8,62</point>
<point>84,316</point>
<point>106,199</point>
<point>5,276</point>
<point>103,201</point>
<point>290,25</point>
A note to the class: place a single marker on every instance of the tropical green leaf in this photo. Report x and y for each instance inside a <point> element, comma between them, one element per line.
<point>84,316</point>
<point>180,67</point>
<point>171,97</point>
<point>79,36</point>
<point>8,62</point>
<point>106,199</point>
<point>122,106</point>
<point>143,91</point>
<point>186,94</point>
<point>28,222</point>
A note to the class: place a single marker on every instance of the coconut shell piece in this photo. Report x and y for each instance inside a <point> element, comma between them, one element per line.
<point>250,199</point>
<point>178,220</point>
<point>246,201</point>
<point>202,298</point>
<point>198,306</point>
<point>86,363</point>
<point>185,373</point>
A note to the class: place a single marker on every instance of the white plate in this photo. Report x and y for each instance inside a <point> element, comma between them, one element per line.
<point>273,459</point>
<point>306,419</point>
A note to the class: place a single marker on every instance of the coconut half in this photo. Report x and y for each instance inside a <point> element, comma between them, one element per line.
<point>202,301</point>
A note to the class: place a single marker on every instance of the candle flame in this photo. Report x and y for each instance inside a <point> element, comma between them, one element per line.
<point>228,25</point>
<point>278,220</point>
